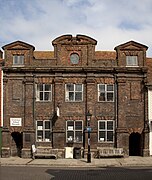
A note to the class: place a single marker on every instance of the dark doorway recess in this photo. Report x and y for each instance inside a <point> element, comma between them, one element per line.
<point>135,144</point>
<point>18,143</point>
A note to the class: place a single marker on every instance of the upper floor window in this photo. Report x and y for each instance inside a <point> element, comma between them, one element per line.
<point>105,131</point>
<point>43,130</point>
<point>74,131</point>
<point>43,92</point>
<point>18,59</point>
<point>105,92</point>
<point>73,92</point>
<point>131,61</point>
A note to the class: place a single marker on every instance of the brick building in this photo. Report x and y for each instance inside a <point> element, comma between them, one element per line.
<point>48,93</point>
<point>1,99</point>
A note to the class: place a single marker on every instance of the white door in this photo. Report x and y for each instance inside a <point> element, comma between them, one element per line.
<point>68,152</point>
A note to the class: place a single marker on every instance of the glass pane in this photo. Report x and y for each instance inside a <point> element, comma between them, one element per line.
<point>109,87</point>
<point>102,87</point>
<point>102,136</point>
<point>110,136</point>
<point>46,96</point>
<point>39,123</point>
<point>110,125</point>
<point>131,60</point>
<point>101,125</point>
<point>39,135</point>
<point>71,96</point>
<point>15,59</point>
<point>70,87</point>
<point>78,87</point>
<point>109,96</point>
<point>78,136</point>
<point>78,125</point>
<point>40,87</point>
<point>102,97</point>
<point>41,95</point>
<point>47,124</point>
<point>47,87</point>
<point>70,123</point>
<point>47,134</point>
<point>70,136</point>
<point>21,59</point>
<point>78,96</point>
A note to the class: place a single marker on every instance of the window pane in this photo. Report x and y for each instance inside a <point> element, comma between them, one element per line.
<point>70,87</point>
<point>109,96</point>
<point>41,95</point>
<point>46,96</point>
<point>70,136</point>
<point>102,136</point>
<point>78,87</point>
<point>47,87</point>
<point>78,96</point>
<point>78,136</point>
<point>101,125</point>
<point>102,97</point>
<point>71,96</point>
<point>78,125</point>
<point>70,123</point>
<point>39,123</point>
<point>109,87</point>
<point>40,87</point>
<point>131,60</point>
<point>102,87</point>
<point>110,136</point>
<point>47,134</point>
<point>47,124</point>
<point>40,135</point>
<point>110,125</point>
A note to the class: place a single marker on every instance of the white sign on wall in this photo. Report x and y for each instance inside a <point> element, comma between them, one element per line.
<point>15,121</point>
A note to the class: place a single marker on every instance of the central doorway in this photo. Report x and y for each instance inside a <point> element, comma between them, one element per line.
<point>135,144</point>
<point>17,144</point>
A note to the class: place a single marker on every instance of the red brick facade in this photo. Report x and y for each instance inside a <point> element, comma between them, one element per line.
<point>102,83</point>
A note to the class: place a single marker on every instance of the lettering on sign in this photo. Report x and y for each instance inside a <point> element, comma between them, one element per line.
<point>15,121</point>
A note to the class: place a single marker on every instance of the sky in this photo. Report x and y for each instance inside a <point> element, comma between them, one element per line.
<point>110,22</point>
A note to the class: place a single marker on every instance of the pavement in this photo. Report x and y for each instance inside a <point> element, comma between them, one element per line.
<point>131,161</point>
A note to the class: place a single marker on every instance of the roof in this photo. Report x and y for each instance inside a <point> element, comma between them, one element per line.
<point>44,54</point>
<point>105,55</point>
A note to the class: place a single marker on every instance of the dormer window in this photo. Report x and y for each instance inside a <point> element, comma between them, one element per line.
<point>131,61</point>
<point>18,59</point>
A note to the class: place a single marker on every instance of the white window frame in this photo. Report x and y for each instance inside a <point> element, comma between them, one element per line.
<point>43,92</point>
<point>105,130</point>
<point>74,91</point>
<point>105,92</point>
<point>131,61</point>
<point>74,130</point>
<point>18,60</point>
<point>43,130</point>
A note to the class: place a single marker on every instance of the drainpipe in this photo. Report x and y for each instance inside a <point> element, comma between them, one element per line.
<point>116,107</point>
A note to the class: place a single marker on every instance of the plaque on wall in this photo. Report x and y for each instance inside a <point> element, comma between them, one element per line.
<point>15,121</point>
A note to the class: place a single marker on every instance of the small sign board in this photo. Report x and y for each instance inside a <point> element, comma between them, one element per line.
<point>88,129</point>
<point>15,121</point>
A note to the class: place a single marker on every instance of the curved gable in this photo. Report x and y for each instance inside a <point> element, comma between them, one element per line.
<point>69,39</point>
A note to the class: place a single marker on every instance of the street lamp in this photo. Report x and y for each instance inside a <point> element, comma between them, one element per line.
<point>88,115</point>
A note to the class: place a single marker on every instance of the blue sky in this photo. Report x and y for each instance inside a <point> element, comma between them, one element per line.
<point>110,22</point>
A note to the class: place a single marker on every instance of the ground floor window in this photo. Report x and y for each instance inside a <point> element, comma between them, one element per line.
<point>105,131</point>
<point>43,130</point>
<point>74,131</point>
